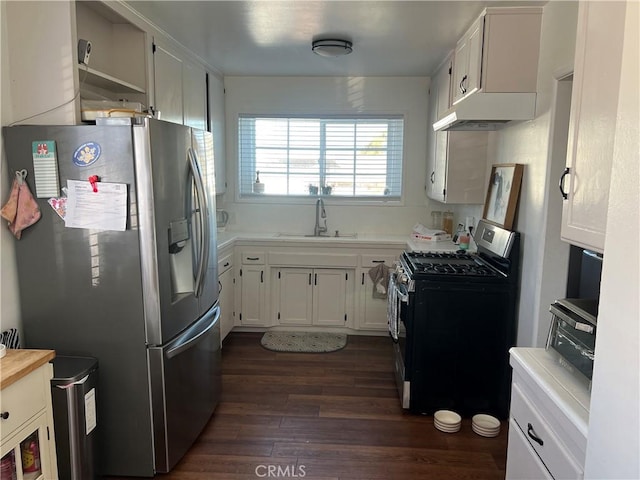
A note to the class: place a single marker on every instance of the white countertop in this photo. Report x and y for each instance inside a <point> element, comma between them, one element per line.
<point>568,392</point>
<point>228,238</point>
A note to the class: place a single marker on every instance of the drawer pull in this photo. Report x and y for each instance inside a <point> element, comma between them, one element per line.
<point>253,258</point>
<point>4,415</point>
<point>226,264</point>
<point>532,434</point>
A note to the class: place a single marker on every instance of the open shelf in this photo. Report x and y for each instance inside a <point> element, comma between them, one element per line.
<point>106,81</point>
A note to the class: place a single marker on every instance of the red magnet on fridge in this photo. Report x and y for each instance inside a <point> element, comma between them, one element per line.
<point>93,180</point>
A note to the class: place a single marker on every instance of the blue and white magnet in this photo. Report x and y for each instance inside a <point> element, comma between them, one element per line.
<point>87,154</point>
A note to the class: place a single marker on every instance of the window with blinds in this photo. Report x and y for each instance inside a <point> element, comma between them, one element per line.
<point>357,157</point>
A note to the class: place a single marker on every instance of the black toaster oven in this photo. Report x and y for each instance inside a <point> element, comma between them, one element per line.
<point>573,333</point>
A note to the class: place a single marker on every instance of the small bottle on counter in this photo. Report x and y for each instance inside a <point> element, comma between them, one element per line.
<point>464,241</point>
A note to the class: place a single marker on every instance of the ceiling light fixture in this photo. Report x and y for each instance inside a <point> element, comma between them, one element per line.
<point>332,47</point>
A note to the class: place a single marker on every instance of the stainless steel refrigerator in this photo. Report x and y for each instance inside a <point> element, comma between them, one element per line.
<point>143,301</point>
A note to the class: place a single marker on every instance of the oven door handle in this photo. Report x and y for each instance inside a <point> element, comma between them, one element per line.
<point>397,294</point>
<point>583,327</point>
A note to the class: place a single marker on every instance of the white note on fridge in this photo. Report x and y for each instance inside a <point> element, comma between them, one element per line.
<point>103,209</point>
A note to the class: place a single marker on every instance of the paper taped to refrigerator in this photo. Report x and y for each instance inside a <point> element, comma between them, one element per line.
<point>104,209</point>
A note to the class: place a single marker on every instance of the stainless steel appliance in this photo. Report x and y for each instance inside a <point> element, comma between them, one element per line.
<point>573,334</point>
<point>452,318</point>
<point>143,301</point>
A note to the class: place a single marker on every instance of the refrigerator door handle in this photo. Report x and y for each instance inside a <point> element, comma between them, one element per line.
<point>191,337</point>
<point>203,212</point>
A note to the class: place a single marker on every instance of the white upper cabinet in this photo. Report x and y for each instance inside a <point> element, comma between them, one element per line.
<point>180,88</point>
<point>194,95</point>
<point>167,69</point>
<point>456,161</point>
<point>594,102</point>
<point>498,53</point>
<point>467,63</point>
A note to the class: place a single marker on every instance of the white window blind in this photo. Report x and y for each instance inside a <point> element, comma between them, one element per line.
<point>359,157</point>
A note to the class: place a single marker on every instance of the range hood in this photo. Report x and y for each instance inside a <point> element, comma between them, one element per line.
<point>487,111</point>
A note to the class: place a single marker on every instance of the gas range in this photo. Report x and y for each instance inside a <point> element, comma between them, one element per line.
<point>452,315</point>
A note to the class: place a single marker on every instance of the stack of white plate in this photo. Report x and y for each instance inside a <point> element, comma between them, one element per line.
<point>447,421</point>
<point>485,425</point>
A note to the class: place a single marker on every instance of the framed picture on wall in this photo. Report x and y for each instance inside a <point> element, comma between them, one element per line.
<point>502,194</point>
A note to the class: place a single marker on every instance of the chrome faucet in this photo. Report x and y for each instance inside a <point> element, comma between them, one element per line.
<point>320,213</point>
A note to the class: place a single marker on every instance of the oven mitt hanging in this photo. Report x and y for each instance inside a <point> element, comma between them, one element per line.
<point>21,210</point>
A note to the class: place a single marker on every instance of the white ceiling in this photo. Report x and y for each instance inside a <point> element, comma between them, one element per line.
<point>273,37</point>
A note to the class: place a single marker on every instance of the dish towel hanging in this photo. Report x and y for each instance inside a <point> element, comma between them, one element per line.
<point>10,338</point>
<point>21,210</point>
<point>379,275</point>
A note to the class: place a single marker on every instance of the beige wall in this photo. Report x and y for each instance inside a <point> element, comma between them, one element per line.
<point>614,423</point>
<point>9,304</point>
<point>331,95</point>
<point>544,257</point>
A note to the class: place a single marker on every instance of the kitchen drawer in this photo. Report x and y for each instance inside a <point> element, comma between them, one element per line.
<point>375,260</point>
<point>22,400</point>
<point>225,263</point>
<point>523,462</point>
<point>253,258</point>
<point>311,259</point>
<point>549,448</point>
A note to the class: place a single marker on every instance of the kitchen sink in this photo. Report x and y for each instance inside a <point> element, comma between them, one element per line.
<point>302,235</point>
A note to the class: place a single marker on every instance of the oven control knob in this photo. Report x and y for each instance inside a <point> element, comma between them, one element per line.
<point>403,278</point>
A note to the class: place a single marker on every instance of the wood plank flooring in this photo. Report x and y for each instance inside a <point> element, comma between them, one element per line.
<point>331,416</point>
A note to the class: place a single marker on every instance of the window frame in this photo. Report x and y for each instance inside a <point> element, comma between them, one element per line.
<point>398,155</point>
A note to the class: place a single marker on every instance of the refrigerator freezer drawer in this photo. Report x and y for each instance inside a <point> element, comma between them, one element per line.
<point>185,388</point>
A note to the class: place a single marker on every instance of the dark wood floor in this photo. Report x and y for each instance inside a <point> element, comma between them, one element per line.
<point>331,416</point>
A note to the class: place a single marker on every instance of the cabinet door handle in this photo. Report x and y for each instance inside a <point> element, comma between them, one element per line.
<point>463,89</point>
<point>561,184</point>
<point>315,279</point>
<point>363,279</point>
<point>433,177</point>
<point>4,415</point>
<point>532,434</point>
<point>261,276</point>
<point>309,279</point>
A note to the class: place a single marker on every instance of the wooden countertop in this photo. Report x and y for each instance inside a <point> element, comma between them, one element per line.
<point>19,362</point>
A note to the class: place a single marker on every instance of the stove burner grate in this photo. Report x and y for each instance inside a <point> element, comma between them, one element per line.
<point>455,269</point>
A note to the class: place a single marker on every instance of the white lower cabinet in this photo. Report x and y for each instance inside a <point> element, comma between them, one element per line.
<point>226,284</point>
<point>27,445</point>
<point>373,307</point>
<point>548,418</point>
<point>312,296</point>
<point>252,290</point>
<point>309,286</point>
